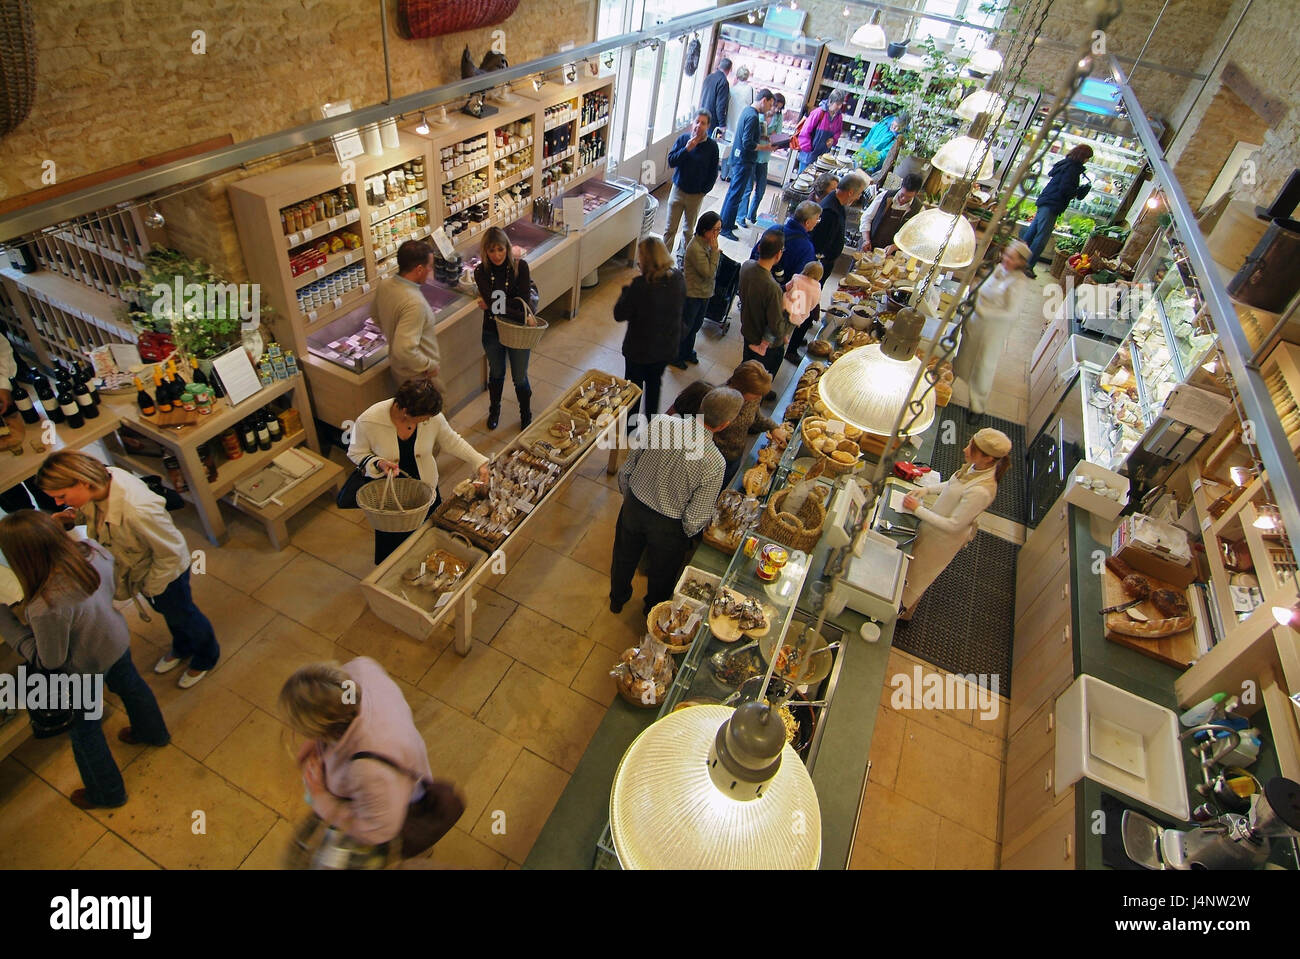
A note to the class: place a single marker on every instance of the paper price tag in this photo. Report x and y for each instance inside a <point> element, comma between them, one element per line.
<point>306,233</point>
<point>334,223</point>
<point>320,271</point>
<point>311,316</point>
<point>1206,523</point>
<point>354,215</point>
<point>365,287</point>
<point>443,243</point>
<point>338,302</point>
<point>294,239</point>
<point>443,600</point>
<point>834,426</point>
<point>523,506</point>
<point>374,216</point>
<point>347,258</point>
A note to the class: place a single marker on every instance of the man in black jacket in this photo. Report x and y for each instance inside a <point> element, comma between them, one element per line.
<point>763,325</point>
<point>828,234</point>
<point>716,95</point>
<point>694,159</point>
<point>744,156</point>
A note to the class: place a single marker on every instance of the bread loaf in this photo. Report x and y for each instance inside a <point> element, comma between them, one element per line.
<point>1151,629</point>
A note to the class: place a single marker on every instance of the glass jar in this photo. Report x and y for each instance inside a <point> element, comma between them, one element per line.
<point>187,399</point>
<point>203,400</point>
<point>230,444</point>
<point>173,467</point>
<point>204,452</point>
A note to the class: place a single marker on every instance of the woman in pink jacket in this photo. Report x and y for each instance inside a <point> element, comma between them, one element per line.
<point>821,129</point>
<point>360,803</point>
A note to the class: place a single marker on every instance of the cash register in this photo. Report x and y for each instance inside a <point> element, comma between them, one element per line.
<point>869,570</point>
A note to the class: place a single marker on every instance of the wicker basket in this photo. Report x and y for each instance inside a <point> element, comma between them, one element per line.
<point>421,19</point>
<point>520,336</point>
<point>1102,246</point>
<point>652,626</point>
<point>395,505</point>
<point>1058,264</point>
<point>829,466</point>
<point>17,63</point>
<point>797,531</point>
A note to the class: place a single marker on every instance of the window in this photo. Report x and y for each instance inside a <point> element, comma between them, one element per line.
<point>640,91</point>
<point>669,78</point>
<point>968,10</point>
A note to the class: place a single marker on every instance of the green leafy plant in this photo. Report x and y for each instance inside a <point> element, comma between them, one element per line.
<point>201,331</point>
<point>928,96</point>
<point>866,159</point>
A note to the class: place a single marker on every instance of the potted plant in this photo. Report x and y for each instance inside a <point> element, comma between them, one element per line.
<point>927,96</point>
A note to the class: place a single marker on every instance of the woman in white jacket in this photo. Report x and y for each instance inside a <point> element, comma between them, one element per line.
<point>984,336</point>
<point>406,433</point>
<point>950,523</point>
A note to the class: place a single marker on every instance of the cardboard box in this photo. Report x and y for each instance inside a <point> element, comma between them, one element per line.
<point>1134,543</point>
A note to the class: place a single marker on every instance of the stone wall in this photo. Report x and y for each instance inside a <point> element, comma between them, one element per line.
<point>118,81</point>
<point>1262,52</point>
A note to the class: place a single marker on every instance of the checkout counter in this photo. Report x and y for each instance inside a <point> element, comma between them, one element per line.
<point>577,837</point>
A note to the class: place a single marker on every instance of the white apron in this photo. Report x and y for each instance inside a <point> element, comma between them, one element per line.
<point>946,527</point>
<point>984,337</point>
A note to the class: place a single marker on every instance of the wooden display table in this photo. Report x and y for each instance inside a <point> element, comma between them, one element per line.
<point>183,443</point>
<point>17,469</point>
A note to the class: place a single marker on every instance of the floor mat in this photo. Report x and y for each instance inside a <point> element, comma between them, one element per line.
<point>1011,502</point>
<point>964,622</point>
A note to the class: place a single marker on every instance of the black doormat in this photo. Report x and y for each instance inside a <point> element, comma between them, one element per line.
<point>964,621</point>
<point>1011,502</point>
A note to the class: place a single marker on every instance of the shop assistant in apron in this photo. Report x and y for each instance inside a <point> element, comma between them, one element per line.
<point>950,523</point>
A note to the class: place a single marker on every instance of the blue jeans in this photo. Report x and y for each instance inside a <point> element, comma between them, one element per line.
<point>692,320</point>
<point>99,773</point>
<point>192,634</point>
<point>759,187</point>
<point>742,174</point>
<point>1040,231</point>
<point>804,160</point>
<point>496,357</point>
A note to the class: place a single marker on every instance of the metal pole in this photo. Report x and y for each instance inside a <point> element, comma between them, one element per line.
<point>383,31</point>
<point>1147,42</point>
<point>1270,439</point>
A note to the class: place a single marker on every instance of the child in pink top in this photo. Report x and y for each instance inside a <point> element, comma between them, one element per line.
<point>803,293</point>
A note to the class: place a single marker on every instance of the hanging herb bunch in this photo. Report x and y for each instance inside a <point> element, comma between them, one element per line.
<point>928,97</point>
<point>184,297</point>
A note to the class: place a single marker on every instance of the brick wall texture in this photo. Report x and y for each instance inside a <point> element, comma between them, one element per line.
<point>118,81</point>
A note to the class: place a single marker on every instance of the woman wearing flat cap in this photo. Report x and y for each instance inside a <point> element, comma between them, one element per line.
<point>950,522</point>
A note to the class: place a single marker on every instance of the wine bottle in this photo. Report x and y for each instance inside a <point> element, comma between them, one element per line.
<point>247,436</point>
<point>197,376</point>
<point>88,377</point>
<point>143,399</point>
<point>273,425</point>
<point>23,401</point>
<point>45,393</point>
<point>71,411</point>
<point>161,393</point>
<point>81,395</point>
<point>263,432</point>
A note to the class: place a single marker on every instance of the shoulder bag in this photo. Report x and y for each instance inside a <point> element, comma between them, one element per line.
<point>347,497</point>
<point>431,816</point>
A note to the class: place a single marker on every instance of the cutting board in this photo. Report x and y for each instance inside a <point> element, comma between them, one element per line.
<point>1177,650</point>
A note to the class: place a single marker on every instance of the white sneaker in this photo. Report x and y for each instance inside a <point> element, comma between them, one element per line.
<point>189,678</point>
<point>166,664</point>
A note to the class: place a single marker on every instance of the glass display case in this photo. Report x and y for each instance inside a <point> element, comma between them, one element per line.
<point>354,341</point>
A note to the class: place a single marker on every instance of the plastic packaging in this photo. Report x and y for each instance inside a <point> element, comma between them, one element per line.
<point>1203,711</point>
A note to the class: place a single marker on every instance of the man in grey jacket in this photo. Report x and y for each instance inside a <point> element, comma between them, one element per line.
<point>407,318</point>
<point>762,321</point>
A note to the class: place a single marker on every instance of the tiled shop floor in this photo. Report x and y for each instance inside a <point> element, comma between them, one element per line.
<point>508,722</point>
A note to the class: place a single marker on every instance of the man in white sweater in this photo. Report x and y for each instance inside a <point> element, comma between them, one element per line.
<point>407,318</point>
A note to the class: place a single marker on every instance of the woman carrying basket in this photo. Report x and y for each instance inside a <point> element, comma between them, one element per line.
<point>503,282</point>
<point>405,434</point>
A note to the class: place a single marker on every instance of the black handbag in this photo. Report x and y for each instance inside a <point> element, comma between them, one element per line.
<point>48,723</point>
<point>347,498</point>
<point>431,816</point>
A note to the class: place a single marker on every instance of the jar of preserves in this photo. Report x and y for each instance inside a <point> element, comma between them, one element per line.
<point>230,445</point>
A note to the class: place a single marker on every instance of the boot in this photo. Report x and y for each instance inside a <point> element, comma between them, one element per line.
<point>525,397</point>
<point>494,402</point>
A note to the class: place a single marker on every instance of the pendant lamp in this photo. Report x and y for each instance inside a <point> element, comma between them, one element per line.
<point>959,156</point>
<point>981,101</point>
<point>711,787</point>
<point>866,389</point>
<point>984,62</point>
<point>923,235</point>
<point>870,35</point>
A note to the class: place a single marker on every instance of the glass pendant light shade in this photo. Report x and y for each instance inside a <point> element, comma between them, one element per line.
<point>866,389</point>
<point>921,237</point>
<point>981,101</point>
<point>871,36</point>
<point>985,61</point>
<point>666,813</point>
<point>957,158</point>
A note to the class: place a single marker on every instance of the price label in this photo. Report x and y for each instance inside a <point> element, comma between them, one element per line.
<point>306,233</point>
<point>294,239</point>
<point>338,302</point>
<point>320,271</point>
<point>1205,523</point>
<point>312,316</point>
<point>354,215</point>
<point>374,216</point>
<point>443,600</point>
<point>523,506</point>
<point>347,258</point>
<point>334,223</point>
<point>832,426</point>
<point>365,287</point>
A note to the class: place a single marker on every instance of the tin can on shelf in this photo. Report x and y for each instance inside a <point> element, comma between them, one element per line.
<point>771,560</point>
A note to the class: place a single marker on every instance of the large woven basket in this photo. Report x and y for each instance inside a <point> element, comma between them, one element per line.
<point>797,531</point>
<point>396,504</point>
<point>1102,246</point>
<point>421,19</point>
<point>17,63</point>
<point>519,336</point>
<point>1059,264</point>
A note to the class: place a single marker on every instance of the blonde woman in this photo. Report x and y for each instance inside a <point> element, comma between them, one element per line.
<point>360,802</point>
<point>72,627</point>
<point>151,556</point>
<point>651,306</point>
<point>405,434</point>
<point>502,281</point>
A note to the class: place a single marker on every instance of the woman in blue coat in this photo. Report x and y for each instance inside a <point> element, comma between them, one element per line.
<point>1062,187</point>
